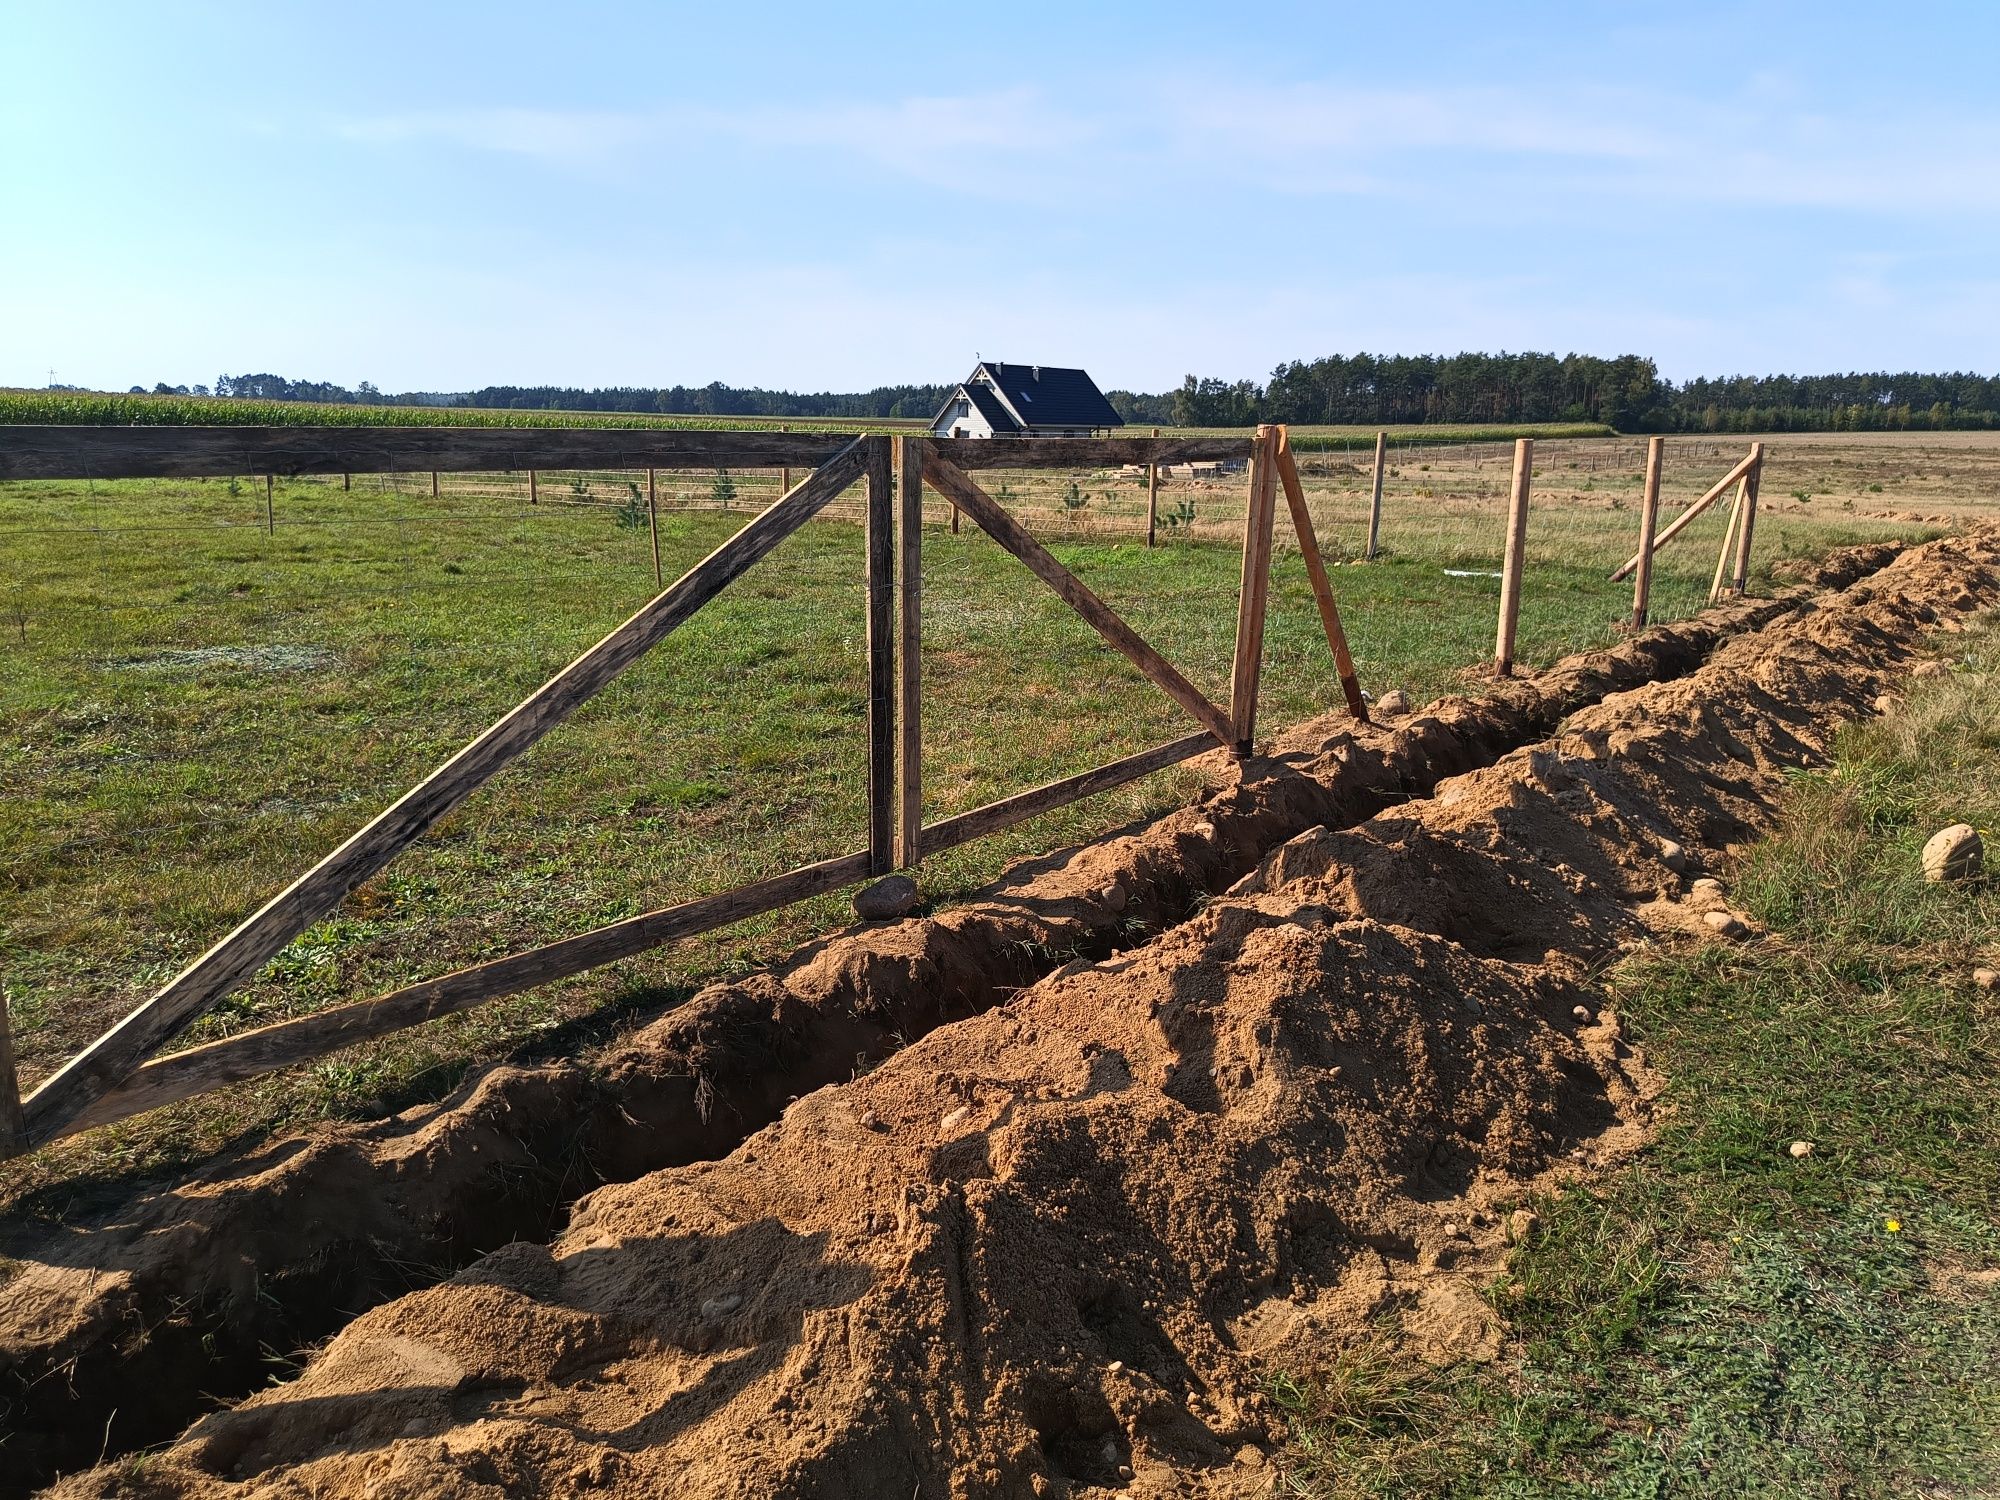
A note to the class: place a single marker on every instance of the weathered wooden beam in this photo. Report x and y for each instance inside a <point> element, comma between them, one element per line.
<point>1514,558</point>
<point>180,1075</point>
<point>1375,495</point>
<point>262,935</point>
<point>1751,481</point>
<point>13,1123</point>
<point>36,452</point>
<point>964,827</point>
<point>1723,558</point>
<point>1682,521</point>
<point>909,653</point>
<point>881,549</point>
<point>1009,533</point>
<point>1253,594</point>
<point>1084,453</point>
<point>1322,586</point>
<point>1649,518</point>
<point>653,523</point>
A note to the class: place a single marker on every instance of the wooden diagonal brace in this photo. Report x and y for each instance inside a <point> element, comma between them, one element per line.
<point>1329,612</point>
<point>951,482</point>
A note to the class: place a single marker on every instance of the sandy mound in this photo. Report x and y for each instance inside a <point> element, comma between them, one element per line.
<point>1049,1249</point>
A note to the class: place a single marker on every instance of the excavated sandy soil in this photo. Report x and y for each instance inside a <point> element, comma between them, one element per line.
<point>1050,1247</point>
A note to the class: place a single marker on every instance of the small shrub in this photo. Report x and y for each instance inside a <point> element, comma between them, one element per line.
<point>723,490</point>
<point>631,514</point>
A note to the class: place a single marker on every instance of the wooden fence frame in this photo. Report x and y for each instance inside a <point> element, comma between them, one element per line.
<point>122,1073</point>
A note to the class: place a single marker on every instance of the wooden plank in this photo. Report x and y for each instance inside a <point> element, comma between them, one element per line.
<point>1749,527</point>
<point>995,816</point>
<point>1084,453</point>
<point>1253,593</point>
<point>1009,533</point>
<point>1649,519</point>
<point>1375,495</point>
<point>653,523</point>
<point>13,1123</point>
<point>909,653</point>
<point>1722,558</point>
<point>261,936</point>
<point>1516,555</point>
<point>248,1054</point>
<point>534,487</point>
<point>35,452</point>
<point>1322,586</point>
<point>881,549</point>
<point>1682,521</point>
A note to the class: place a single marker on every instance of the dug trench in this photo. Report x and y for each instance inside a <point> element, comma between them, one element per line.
<point>114,1335</point>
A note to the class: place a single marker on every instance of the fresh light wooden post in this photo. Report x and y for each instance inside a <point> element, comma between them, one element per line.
<point>1649,517</point>
<point>653,523</point>
<point>270,508</point>
<point>950,481</point>
<point>1510,567</point>
<point>1685,518</point>
<point>1375,496</point>
<point>1254,593</point>
<point>1749,525</point>
<point>1722,558</point>
<point>881,548</point>
<point>534,487</point>
<point>260,937</point>
<point>13,1124</point>
<point>1322,587</point>
<point>909,652</point>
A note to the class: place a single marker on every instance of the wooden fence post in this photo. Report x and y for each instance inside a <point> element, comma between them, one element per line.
<point>1254,591</point>
<point>13,1122</point>
<point>653,523</point>
<point>345,483</point>
<point>785,472</point>
<point>1749,526</point>
<point>1152,498</point>
<point>434,484</point>
<point>1322,587</point>
<point>1375,496</point>
<point>1722,558</point>
<point>881,544</point>
<point>534,487</point>
<point>1649,520</point>
<point>909,652</point>
<point>270,508</point>
<point>1510,567</point>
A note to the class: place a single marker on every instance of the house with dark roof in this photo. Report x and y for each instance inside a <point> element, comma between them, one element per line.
<point>1003,400</point>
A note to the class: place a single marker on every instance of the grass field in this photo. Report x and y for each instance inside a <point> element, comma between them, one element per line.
<point>191,710</point>
<point>1724,1318</point>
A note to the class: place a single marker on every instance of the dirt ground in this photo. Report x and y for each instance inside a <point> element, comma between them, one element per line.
<point>1052,1246</point>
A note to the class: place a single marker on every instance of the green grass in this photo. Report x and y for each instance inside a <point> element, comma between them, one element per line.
<point>192,710</point>
<point>1722,1318</point>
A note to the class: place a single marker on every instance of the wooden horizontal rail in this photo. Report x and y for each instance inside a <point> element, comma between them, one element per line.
<point>964,827</point>
<point>1715,493</point>
<point>181,1075</point>
<point>53,452</point>
<point>994,520</point>
<point>1086,453</point>
<point>254,942</point>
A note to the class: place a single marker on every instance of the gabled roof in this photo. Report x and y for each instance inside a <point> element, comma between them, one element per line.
<point>1047,395</point>
<point>987,404</point>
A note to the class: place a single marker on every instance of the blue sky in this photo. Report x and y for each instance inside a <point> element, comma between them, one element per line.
<point>438,196</point>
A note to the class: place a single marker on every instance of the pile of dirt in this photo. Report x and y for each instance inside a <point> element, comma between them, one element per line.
<point>1049,1249</point>
<point>117,1327</point>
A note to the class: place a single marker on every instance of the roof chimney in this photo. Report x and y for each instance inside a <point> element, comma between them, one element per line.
<point>1036,371</point>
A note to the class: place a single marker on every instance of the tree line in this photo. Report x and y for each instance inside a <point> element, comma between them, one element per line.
<point>1625,392</point>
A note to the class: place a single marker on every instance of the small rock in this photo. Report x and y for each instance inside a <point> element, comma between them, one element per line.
<point>415,1428</point>
<point>1581,1012</point>
<point>1708,885</point>
<point>1124,1471</point>
<point>1112,898</point>
<point>1393,702</point>
<point>1472,1007</point>
<point>721,1307</point>
<point>1929,669</point>
<point>1451,1230</point>
<point>1986,979</point>
<point>1115,1366</point>
<point>956,1118</point>
<point>1954,853</point>
<point>1725,924</point>
<point>1887,704</point>
<point>870,1120</point>
<point>1673,856</point>
<point>1250,1456</point>
<point>1522,1226</point>
<point>1800,1149</point>
<point>890,897</point>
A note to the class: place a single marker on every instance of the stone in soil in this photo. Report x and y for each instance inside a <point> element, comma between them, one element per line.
<point>891,897</point>
<point>1954,853</point>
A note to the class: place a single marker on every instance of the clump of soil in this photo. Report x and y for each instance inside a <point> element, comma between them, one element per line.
<point>1049,1249</point>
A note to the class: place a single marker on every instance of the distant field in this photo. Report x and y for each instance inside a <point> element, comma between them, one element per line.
<point>191,710</point>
